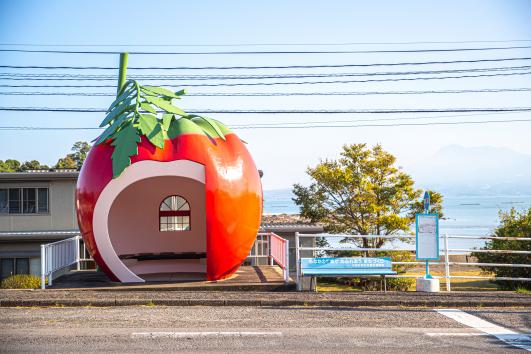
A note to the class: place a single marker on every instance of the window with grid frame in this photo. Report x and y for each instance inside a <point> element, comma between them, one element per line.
<point>174,214</point>
<point>24,200</point>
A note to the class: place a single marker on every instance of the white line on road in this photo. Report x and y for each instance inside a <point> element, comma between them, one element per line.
<point>450,334</point>
<point>506,335</point>
<point>203,334</point>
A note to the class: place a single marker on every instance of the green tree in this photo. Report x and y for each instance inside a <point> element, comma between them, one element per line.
<point>512,224</point>
<point>9,165</point>
<point>66,162</point>
<point>75,159</point>
<point>362,192</point>
<point>80,150</point>
<point>32,165</point>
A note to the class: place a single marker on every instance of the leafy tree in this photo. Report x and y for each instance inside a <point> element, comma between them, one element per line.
<point>79,153</point>
<point>364,193</point>
<point>9,165</point>
<point>80,150</point>
<point>66,162</point>
<point>512,224</point>
<point>32,165</point>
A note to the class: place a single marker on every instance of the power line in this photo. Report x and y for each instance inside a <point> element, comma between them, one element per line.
<point>375,119</point>
<point>260,44</point>
<point>261,67</point>
<point>81,77</point>
<point>288,83</point>
<point>295,127</point>
<point>389,125</point>
<point>287,111</point>
<point>272,52</point>
<point>278,94</point>
<point>367,120</point>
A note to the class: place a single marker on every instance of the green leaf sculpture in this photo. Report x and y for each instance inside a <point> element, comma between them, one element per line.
<point>149,111</point>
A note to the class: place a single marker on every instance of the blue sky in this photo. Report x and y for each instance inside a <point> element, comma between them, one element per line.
<point>284,154</point>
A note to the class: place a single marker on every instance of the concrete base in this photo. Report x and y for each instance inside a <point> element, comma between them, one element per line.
<point>428,285</point>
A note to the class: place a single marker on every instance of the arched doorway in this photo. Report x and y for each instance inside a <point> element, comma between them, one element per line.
<point>157,227</point>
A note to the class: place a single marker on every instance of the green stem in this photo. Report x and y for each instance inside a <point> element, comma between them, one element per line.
<point>123,70</point>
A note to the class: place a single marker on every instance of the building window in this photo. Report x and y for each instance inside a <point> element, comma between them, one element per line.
<point>15,200</point>
<point>12,266</point>
<point>174,214</point>
<point>4,200</point>
<point>42,200</point>
<point>24,200</point>
<point>29,197</point>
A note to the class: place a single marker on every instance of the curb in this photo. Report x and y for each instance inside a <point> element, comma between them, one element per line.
<point>275,287</point>
<point>414,303</point>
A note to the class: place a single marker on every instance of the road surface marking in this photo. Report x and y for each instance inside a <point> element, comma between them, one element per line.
<point>203,334</point>
<point>505,335</point>
<point>449,334</point>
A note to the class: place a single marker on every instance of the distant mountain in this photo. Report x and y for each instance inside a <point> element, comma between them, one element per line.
<point>459,170</point>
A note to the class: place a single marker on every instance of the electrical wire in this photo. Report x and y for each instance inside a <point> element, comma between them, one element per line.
<point>288,83</point>
<point>287,111</point>
<point>81,77</point>
<point>277,94</point>
<point>294,127</point>
<point>261,44</point>
<point>270,52</point>
<point>263,67</point>
<point>387,125</point>
<point>376,119</point>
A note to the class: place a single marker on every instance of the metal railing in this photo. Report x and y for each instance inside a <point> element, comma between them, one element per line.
<point>274,248</point>
<point>446,249</point>
<point>58,255</point>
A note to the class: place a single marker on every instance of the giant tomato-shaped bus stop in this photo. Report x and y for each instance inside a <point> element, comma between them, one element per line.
<point>165,195</point>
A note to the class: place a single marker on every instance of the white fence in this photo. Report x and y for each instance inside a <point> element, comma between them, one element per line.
<point>65,253</point>
<point>61,254</point>
<point>446,253</point>
<point>274,248</point>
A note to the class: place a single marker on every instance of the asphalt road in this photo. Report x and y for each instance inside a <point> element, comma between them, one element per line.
<point>257,329</point>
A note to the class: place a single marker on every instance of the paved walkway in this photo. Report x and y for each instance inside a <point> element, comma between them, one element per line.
<point>260,278</point>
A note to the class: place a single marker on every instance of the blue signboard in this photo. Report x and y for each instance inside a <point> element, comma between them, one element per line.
<point>346,263</point>
<point>352,266</point>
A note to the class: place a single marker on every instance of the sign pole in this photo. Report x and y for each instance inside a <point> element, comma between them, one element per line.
<point>426,211</point>
<point>124,57</point>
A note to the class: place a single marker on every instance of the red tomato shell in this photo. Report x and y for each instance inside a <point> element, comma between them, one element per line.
<point>233,194</point>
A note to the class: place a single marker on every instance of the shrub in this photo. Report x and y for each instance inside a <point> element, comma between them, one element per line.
<point>21,281</point>
<point>512,224</point>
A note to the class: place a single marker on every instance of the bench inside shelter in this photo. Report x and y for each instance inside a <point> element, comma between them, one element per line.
<point>344,267</point>
<point>164,255</point>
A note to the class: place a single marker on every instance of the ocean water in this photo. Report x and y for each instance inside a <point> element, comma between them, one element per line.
<point>463,215</point>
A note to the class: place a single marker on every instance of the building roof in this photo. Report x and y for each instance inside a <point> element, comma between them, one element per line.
<point>287,227</point>
<point>37,235</point>
<point>40,175</point>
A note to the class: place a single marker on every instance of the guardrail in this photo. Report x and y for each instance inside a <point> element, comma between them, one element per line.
<point>446,250</point>
<point>274,248</point>
<point>61,254</point>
